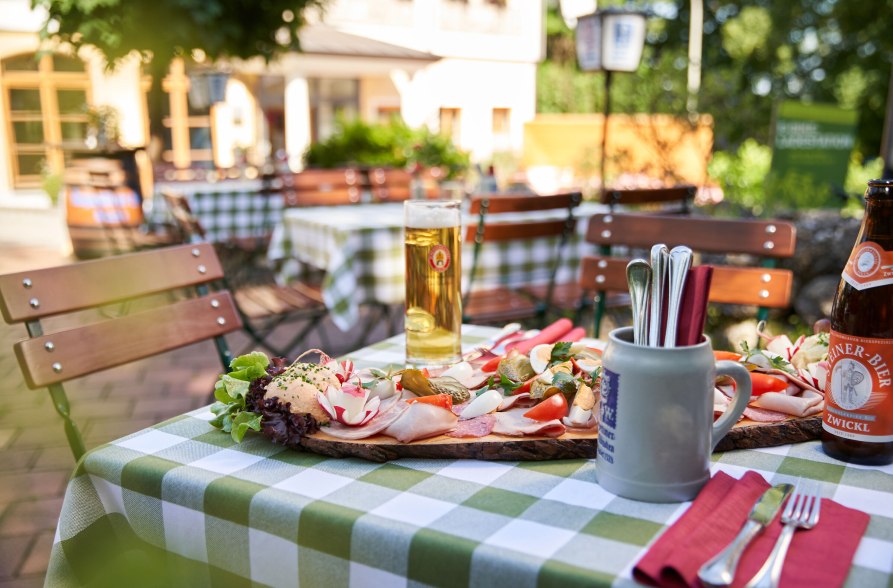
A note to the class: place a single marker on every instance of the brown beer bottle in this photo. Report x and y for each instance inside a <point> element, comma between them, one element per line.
<point>858,419</point>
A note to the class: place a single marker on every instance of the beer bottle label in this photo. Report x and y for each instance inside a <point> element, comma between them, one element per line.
<point>869,266</point>
<point>859,392</point>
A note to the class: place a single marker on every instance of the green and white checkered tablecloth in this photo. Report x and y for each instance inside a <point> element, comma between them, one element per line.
<point>183,496</point>
<point>360,248</point>
<point>238,212</point>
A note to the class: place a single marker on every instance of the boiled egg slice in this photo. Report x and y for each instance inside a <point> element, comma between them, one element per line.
<point>540,356</point>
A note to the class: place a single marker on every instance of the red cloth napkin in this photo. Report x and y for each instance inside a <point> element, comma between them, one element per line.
<point>818,558</point>
<point>693,309</point>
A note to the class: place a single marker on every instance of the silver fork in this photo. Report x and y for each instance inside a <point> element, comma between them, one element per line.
<point>801,512</point>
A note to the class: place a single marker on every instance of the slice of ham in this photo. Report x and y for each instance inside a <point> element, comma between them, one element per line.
<point>420,421</point>
<point>760,415</point>
<point>476,427</point>
<point>522,400</point>
<point>808,404</point>
<point>588,426</point>
<point>390,411</point>
<point>514,424</point>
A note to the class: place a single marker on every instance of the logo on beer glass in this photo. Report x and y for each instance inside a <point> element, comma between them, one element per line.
<point>439,258</point>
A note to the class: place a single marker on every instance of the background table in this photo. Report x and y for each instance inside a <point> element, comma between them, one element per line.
<point>360,247</point>
<point>222,513</point>
<point>227,210</point>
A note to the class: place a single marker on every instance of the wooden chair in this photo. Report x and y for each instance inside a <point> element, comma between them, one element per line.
<point>390,185</point>
<point>570,297</point>
<point>322,187</point>
<point>50,359</point>
<point>502,303</point>
<point>672,200</point>
<point>763,286</point>
<point>263,304</point>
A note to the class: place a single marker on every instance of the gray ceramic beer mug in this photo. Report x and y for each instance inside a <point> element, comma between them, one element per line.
<point>656,429</point>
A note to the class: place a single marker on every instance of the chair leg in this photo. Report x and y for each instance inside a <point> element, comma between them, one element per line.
<point>60,402</point>
<point>598,313</point>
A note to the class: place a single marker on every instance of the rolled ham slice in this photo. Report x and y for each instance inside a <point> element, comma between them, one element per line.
<point>514,424</point>
<point>807,404</point>
<point>420,421</point>
<point>522,400</point>
<point>477,427</point>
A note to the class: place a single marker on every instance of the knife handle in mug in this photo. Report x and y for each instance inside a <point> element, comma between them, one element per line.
<point>720,569</point>
<point>739,373</point>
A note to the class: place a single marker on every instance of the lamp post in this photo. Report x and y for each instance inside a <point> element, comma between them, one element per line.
<point>610,40</point>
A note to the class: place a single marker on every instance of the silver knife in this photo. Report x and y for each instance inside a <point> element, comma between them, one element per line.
<point>720,570</point>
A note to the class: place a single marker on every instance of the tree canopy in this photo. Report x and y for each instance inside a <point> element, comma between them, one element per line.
<point>161,30</point>
<point>756,53</point>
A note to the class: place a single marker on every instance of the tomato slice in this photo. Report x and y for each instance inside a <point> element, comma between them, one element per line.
<point>553,407</point>
<point>762,383</point>
<point>441,400</point>
<point>731,355</point>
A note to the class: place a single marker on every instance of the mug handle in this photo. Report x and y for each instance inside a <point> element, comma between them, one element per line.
<point>739,373</point>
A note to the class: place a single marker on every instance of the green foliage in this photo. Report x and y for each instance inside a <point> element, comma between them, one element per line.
<point>742,174</point>
<point>754,54</point>
<point>748,184</point>
<point>51,181</point>
<point>164,29</point>
<point>391,145</point>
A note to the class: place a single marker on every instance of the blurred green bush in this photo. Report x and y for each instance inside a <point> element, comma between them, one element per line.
<point>389,145</point>
<point>749,185</point>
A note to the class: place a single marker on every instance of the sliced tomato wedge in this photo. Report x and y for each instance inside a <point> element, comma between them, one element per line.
<point>762,383</point>
<point>553,407</point>
<point>731,355</point>
<point>441,400</point>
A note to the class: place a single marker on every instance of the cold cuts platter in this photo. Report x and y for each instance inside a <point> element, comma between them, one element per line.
<point>746,434</point>
<point>528,404</point>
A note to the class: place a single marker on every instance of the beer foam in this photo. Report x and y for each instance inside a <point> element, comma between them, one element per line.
<point>420,217</point>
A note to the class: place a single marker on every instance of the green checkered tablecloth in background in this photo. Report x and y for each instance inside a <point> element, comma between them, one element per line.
<point>227,210</point>
<point>183,496</point>
<point>361,249</point>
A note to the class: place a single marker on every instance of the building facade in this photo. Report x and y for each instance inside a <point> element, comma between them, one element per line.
<point>466,68</point>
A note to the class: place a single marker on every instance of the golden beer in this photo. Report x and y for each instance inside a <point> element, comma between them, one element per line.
<point>433,279</point>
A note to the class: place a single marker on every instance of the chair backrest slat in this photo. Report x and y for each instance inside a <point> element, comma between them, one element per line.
<point>35,294</point>
<point>84,350</point>
<point>322,187</point>
<point>730,285</point>
<point>682,195</point>
<point>390,184</point>
<point>510,231</point>
<point>501,203</point>
<point>755,237</point>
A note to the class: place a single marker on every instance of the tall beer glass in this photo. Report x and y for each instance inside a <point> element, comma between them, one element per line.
<point>433,278</point>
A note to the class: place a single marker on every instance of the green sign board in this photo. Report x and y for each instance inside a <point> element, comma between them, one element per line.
<point>813,140</point>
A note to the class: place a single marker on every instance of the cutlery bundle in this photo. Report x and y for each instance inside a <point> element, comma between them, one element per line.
<point>669,298</point>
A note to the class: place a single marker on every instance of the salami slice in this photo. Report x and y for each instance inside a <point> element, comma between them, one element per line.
<point>476,427</point>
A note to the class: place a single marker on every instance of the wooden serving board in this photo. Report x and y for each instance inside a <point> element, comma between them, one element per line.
<point>744,435</point>
<point>748,434</point>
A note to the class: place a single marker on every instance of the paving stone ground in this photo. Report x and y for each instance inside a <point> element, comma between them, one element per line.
<point>35,461</point>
